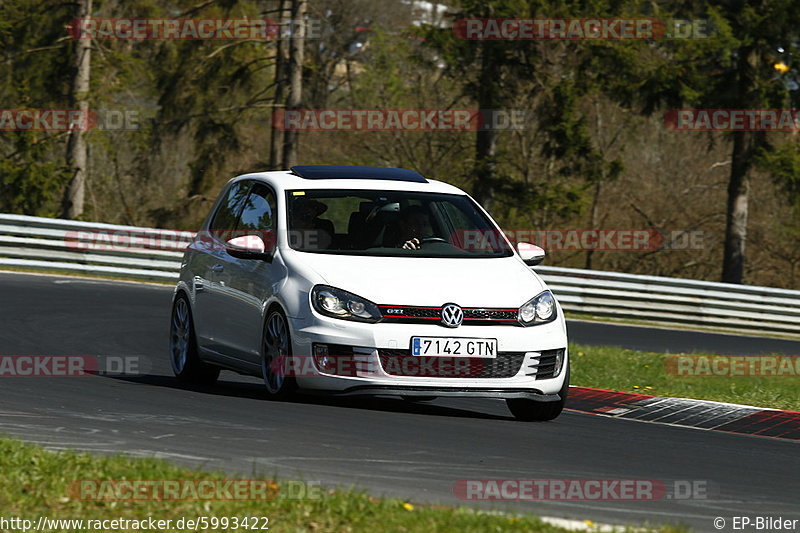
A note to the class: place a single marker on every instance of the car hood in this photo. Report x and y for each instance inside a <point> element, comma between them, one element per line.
<point>495,282</point>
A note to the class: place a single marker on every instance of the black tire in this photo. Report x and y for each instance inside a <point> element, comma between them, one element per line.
<point>276,343</point>
<point>417,399</point>
<point>533,411</point>
<point>183,355</point>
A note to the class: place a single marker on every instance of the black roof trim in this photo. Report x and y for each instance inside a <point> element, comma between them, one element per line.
<point>326,172</point>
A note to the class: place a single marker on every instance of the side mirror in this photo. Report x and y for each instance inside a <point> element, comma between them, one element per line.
<point>530,253</point>
<point>248,247</point>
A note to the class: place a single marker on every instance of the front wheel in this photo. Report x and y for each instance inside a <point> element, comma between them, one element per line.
<point>533,411</point>
<point>275,351</point>
<point>185,361</point>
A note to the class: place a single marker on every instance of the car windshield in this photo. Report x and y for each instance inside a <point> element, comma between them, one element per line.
<point>391,223</point>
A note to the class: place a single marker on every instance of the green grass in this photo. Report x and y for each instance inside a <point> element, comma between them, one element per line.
<point>36,482</point>
<point>613,368</point>
<point>85,275</point>
<point>679,325</point>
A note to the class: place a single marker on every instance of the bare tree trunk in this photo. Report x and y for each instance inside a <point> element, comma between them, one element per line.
<point>296,47</point>
<point>593,223</point>
<point>276,135</point>
<point>744,143</point>
<point>598,129</point>
<point>486,139</point>
<point>485,166</point>
<point>736,218</point>
<point>77,158</point>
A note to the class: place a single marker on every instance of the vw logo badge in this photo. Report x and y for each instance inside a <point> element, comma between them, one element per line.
<point>452,315</point>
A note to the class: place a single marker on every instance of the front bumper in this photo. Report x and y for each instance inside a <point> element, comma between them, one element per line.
<point>371,342</point>
<point>475,392</point>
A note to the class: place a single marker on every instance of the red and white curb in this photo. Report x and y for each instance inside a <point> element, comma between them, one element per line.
<point>583,525</point>
<point>685,412</point>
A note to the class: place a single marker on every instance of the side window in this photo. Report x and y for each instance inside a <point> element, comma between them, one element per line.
<point>228,210</point>
<point>259,210</point>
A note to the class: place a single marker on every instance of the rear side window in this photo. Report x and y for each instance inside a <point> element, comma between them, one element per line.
<point>230,207</point>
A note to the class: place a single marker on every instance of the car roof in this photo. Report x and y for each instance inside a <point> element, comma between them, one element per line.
<point>283,180</point>
<point>316,172</point>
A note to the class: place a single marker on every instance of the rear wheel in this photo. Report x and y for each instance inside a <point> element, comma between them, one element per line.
<point>185,361</point>
<point>533,411</point>
<point>275,350</point>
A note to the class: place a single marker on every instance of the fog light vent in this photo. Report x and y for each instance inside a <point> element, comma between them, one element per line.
<point>548,365</point>
<point>335,359</point>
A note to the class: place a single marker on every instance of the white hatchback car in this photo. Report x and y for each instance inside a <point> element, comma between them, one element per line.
<point>367,281</point>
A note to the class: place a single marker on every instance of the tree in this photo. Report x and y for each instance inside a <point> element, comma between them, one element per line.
<point>34,69</point>
<point>485,69</point>
<point>296,47</point>
<point>760,27</point>
<point>281,63</point>
<point>730,69</point>
<point>500,75</point>
<point>77,150</point>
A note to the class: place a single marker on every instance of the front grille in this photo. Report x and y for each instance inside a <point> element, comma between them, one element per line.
<point>401,363</point>
<point>409,313</point>
<point>473,316</point>
<point>490,314</point>
<point>544,367</point>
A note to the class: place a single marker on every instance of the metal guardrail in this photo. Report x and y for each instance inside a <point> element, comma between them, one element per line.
<point>35,243</point>
<point>746,308</point>
<point>45,244</point>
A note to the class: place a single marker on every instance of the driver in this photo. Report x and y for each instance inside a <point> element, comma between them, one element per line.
<point>308,229</point>
<point>416,226</point>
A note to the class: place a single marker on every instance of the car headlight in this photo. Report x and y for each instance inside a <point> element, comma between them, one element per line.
<point>336,303</point>
<point>539,310</point>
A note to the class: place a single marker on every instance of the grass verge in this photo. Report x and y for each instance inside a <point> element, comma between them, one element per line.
<point>701,328</point>
<point>88,275</point>
<point>36,482</point>
<point>613,368</point>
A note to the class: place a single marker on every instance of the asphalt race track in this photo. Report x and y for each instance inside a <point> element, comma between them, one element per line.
<point>388,446</point>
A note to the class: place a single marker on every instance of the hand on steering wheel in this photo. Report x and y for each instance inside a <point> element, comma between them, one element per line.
<point>412,244</point>
<point>416,244</point>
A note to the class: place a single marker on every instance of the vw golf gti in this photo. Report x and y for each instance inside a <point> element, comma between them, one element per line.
<point>367,281</point>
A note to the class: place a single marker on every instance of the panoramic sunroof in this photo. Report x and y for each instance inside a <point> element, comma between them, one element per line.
<point>325,172</point>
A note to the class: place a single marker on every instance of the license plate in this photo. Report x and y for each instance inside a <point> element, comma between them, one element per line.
<point>453,347</point>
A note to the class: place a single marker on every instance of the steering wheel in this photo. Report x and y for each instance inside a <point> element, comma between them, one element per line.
<point>433,239</point>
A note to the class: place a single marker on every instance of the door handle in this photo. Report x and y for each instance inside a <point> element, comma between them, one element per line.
<point>217,268</point>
